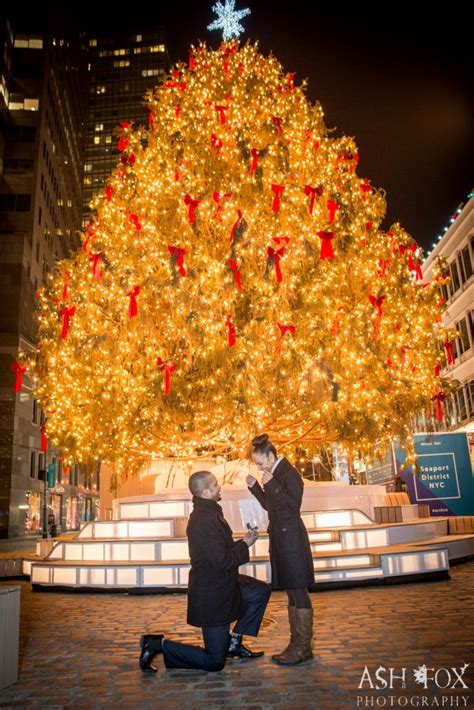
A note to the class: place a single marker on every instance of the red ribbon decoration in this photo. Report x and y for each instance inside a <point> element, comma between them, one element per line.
<point>439,398</point>
<point>231,332</point>
<point>419,272</point>
<point>235,225</point>
<point>311,192</point>
<point>448,344</point>
<point>19,371</point>
<point>192,204</point>
<point>403,352</point>
<point>109,191</point>
<point>217,197</point>
<point>177,110</point>
<point>255,154</point>
<point>277,190</point>
<point>122,143</point>
<point>192,61</point>
<point>234,267</point>
<point>277,123</point>
<point>96,267</point>
<point>151,121</point>
<point>181,85</point>
<point>66,314</point>
<point>411,249</point>
<point>221,111</point>
<point>437,369</point>
<point>326,246</point>
<point>275,255</point>
<point>377,302</point>
<point>382,267</point>
<point>281,240</point>
<point>132,306</point>
<point>332,207</point>
<point>365,188</point>
<point>169,368</point>
<point>135,220</point>
<point>65,285</point>
<point>290,81</point>
<point>289,328</point>
<point>216,143</point>
<point>178,253</point>
<point>44,441</point>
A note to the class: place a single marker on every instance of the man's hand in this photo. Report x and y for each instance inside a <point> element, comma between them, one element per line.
<point>251,537</point>
<point>267,476</point>
<point>251,481</point>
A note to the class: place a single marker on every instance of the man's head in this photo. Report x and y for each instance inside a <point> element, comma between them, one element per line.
<point>203,484</point>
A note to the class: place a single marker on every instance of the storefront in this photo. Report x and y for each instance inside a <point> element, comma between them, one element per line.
<point>33,523</point>
<point>72,513</point>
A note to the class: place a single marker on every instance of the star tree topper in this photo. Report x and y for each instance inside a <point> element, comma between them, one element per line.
<point>228,19</point>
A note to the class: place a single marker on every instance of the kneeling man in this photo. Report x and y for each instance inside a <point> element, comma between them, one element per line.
<point>217,594</point>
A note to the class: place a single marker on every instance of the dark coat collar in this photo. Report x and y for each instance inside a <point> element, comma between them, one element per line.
<point>206,504</point>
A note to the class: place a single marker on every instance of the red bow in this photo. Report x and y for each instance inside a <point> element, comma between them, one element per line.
<point>192,204</point>
<point>233,266</point>
<point>377,302</point>
<point>109,191</point>
<point>96,267</point>
<point>290,328</point>
<point>275,255</point>
<point>437,369</point>
<point>326,246</point>
<point>44,441</point>
<point>277,191</point>
<point>135,220</point>
<point>65,285</point>
<point>178,253</point>
<point>221,111</point>
<point>255,154</point>
<point>66,313</point>
<point>151,121</point>
<point>216,143</point>
<point>332,207</point>
<point>122,143</point>
<point>365,188</point>
<point>410,248</point>
<point>439,398</point>
<point>132,306</point>
<point>290,81</point>
<point>216,196</point>
<point>234,226</point>
<point>311,192</point>
<point>419,272</point>
<point>181,85</point>
<point>382,266</point>
<point>231,332</point>
<point>448,344</point>
<point>169,368</point>
<point>177,110</point>
<point>191,61</point>
<point>19,371</point>
<point>277,123</point>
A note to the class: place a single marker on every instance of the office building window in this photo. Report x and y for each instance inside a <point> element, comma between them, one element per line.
<point>32,464</point>
<point>467,262</point>
<point>463,341</point>
<point>454,285</point>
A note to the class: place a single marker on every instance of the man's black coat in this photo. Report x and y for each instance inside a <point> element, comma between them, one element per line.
<point>213,591</point>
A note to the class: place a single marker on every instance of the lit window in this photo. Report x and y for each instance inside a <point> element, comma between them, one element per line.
<point>99,127</point>
<point>157,48</point>
<point>108,139</point>
<point>92,43</point>
<point>97,140</point>
<point>88,168</point>
<point>138,38</point>
<point>21,43</point>
<point>87,181</point>
<point>60,203</point>
<point>100,90</point>
<point>36,44</point>
<point>31,104</point>
<point>137,50</point>
<point>69,203</point>
<point>122,64</point>
<point>120,52</point>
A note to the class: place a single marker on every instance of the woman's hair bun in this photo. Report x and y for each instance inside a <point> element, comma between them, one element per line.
<point>260,440</point>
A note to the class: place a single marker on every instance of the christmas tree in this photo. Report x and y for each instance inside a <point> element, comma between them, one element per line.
<point>236,280</point>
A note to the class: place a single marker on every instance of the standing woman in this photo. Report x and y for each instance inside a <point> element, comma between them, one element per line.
<point>290,552</point>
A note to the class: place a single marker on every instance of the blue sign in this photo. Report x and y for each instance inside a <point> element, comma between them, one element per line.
<point>51,475</point>
<point>445,479</point>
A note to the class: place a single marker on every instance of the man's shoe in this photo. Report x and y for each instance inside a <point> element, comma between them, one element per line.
<point>238,650</point>
<point>151,645</point>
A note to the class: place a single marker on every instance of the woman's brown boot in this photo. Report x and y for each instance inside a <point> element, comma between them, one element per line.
<point>293,634</point>
<point>301,649</point>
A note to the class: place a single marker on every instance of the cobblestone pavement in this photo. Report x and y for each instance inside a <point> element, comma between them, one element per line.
<point>81,651</point>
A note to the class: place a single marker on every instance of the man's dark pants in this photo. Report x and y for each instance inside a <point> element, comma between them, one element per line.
<point>216,638</point>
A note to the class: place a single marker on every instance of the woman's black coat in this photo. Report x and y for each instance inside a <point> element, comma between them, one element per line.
<point>213,591</point>
<point>290,551</point>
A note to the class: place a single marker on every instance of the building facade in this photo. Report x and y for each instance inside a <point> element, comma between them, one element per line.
<point>43,114</point>
<point>123,65</point>
<point>456,245</point>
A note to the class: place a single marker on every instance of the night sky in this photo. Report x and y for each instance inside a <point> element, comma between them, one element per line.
<point>399,83</point>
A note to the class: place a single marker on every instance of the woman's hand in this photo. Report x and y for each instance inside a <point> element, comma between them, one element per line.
<point>250,481</point>
<point>267,476</point>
